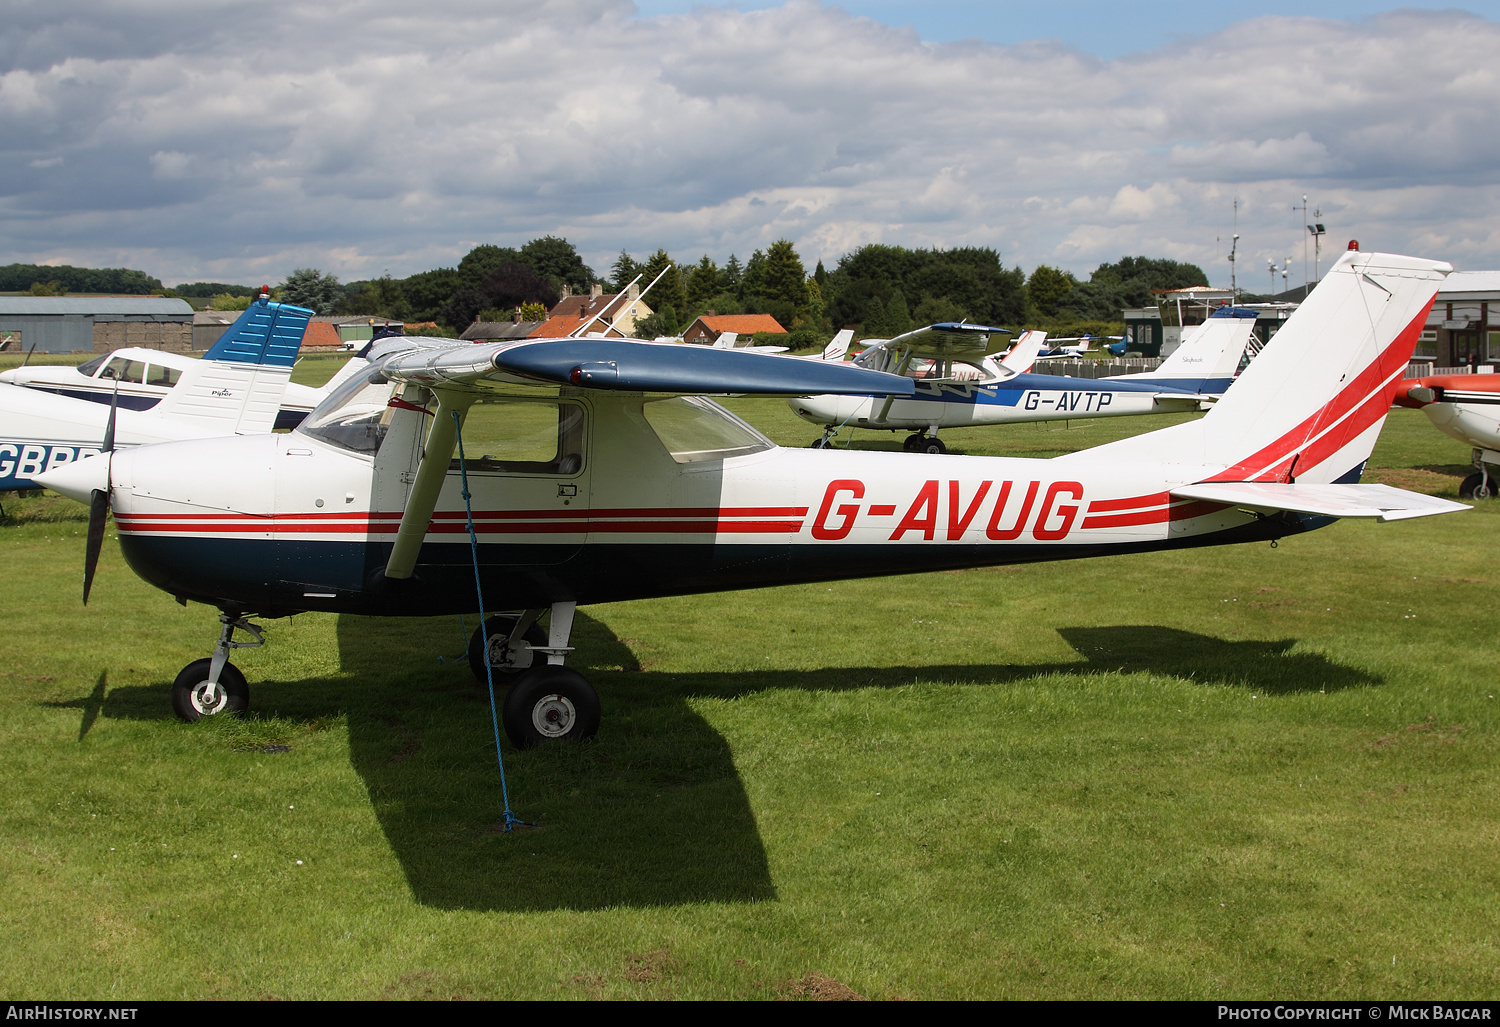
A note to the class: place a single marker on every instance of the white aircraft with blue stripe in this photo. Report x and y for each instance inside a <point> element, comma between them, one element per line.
<point>237,388</point>
<point>958,384</point>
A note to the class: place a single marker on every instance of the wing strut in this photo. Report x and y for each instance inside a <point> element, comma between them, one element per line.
<point>431,471</point>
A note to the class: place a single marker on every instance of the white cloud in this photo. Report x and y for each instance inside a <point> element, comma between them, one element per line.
<point>237,141</point>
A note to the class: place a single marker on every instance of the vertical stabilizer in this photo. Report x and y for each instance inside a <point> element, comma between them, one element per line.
<point>238,385</point>
<point>1310,406</point>
<point>1207,359</point>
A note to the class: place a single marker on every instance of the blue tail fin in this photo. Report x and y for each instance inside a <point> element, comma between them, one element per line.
<point>267,333</point>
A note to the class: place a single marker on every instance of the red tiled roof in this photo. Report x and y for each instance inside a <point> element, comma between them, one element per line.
<point>583,307</point>
<point>557,326</point>
<point>741,324</point>
<point>321,335</point>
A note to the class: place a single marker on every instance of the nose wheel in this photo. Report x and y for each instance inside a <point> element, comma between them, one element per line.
<point>195,696</point>
<point>214,686</point>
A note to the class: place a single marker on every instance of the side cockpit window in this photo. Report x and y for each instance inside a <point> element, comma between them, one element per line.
<point>522,436</point>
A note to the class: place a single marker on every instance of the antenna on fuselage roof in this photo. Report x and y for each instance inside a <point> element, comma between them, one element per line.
<point>640,297</point>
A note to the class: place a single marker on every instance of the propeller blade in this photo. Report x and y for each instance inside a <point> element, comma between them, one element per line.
<point>99,502</point>
<point>109,426</point>
<point>98,513</point>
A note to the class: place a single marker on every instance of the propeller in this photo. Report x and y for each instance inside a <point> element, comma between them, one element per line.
<point>99,502</point>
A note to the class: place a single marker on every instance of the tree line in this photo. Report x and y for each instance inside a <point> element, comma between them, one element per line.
<point>878,290</point>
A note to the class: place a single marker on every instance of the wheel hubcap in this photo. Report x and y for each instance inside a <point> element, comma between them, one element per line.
<point>209,698</point>
<point>553,716</point>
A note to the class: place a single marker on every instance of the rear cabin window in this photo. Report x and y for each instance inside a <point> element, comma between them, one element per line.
<point>165,377</point>
<point>518,436</point>
<point>693,429</point>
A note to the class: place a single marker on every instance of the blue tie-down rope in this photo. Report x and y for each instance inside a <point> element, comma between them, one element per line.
<point>511,820</point>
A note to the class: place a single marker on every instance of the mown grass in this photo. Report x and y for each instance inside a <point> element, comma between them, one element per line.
<point>1226,772</point>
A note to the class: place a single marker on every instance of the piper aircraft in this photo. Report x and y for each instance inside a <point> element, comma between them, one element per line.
<point>961,386</point>
<point>545,474</point>
<point>1467,407</point>
<point>140,379</point>
<point>237,387</point>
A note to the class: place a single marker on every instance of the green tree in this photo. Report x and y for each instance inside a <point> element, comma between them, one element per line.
<point>229,301</point>
<point>669,291</point>
<point>311,288</point>
<point>816,313</point>
<point>479,262</point>
<point>1048,288</point>
<point>383,297</point>
<point>752,281</point>
<point>533,312</point>
<point>704,281</point>
<point>897,316</point>
<point>784,278</point>
<point>427,291</point>
<point>625,269</point>
<point>557,259</point>
<point>733,274</point>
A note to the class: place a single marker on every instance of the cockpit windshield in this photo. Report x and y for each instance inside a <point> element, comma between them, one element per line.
<point>356,415</point>
<point>693,429</point>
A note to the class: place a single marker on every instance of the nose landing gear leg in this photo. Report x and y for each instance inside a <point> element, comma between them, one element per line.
<point>206,688</point>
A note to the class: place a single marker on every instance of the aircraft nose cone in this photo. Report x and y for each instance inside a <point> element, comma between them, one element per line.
<point>77,480</point>
<point>12,376</point>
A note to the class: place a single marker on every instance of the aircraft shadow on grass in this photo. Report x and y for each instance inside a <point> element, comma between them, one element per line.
<point>651,813</point>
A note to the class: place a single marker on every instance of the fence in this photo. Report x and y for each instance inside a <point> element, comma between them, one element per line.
<point>1078,368</point>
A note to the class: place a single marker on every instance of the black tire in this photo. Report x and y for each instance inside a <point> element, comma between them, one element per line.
<point>1473,487</point>
<point>497,630</point>
<point>187,692</point>
<point>913,443</point>
<point>550,704</point>
<point>819,443</point>
<point>931,444</point>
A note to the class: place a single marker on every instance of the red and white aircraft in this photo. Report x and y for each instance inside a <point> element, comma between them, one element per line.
<point>1466,406</point>
<point>599,472</point>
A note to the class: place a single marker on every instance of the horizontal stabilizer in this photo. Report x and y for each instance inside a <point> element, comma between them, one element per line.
<point>689,370</point>
<point>1380,501</point>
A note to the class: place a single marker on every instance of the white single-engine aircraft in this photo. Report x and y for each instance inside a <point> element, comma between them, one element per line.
<point>237,387</point>
<point>961,385</point>
<point>140,379</point>
<point>599,472</point>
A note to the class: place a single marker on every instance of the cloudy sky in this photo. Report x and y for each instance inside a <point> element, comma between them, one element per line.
<point>222,140</point>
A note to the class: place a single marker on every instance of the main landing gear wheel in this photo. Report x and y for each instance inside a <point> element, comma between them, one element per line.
<point>193,699</point>
<point>1477,486</point>
<point>821,442</point>
<point>924,444</point>
<point>550,703</point>
<point>506,659</point>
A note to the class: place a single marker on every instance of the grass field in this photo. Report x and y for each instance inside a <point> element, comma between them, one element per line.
<point>1237,772</point>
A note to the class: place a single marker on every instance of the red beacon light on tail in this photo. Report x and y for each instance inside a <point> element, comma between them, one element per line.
<point>1354,244</point>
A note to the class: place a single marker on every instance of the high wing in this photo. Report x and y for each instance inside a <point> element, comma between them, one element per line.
<point>952,341</point>
<point>1379,501</point>
<point>451,369</point>
<point>632,366</point>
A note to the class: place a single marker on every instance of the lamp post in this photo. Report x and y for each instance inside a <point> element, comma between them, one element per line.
<point>1317,231</point>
